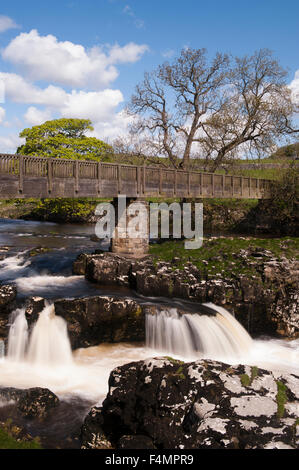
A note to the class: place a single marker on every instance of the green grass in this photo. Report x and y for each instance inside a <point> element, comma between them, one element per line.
<point>218,256</point>
<point>7,441</point>
<point>281,398</point>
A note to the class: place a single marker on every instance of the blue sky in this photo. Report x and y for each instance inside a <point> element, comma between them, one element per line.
<point>83,59</point>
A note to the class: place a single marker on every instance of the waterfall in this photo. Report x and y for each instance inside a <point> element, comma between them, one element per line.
<point>193,334</point>
<point>18,336</point>
<point>48,345</point>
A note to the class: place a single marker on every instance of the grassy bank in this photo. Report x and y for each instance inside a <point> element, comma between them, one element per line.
<point>13,437</point>
<point>223,256</point>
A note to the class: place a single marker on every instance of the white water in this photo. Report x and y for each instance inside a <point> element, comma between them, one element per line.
<point>219,337</point>
<point>44,358</point>
<point>13,264</point>
<point>192,334</point>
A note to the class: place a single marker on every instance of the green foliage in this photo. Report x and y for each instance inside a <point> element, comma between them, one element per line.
<point>281,398</point>
<point>246,381</point>
<point>284,198</point>
<point>63,210</point>
<point>63,138</point>
<point>287,151</point>
<point>9,438</point>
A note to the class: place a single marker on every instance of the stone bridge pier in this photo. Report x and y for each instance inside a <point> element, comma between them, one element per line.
<point>131,233</point>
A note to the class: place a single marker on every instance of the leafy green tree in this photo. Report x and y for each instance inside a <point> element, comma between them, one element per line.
<point>63,138</point>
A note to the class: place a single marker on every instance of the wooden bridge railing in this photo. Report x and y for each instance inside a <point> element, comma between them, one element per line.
<point>26,176</point>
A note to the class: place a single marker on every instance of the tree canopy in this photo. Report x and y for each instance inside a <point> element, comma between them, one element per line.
<point>63,138</point>
<point>217,109</point>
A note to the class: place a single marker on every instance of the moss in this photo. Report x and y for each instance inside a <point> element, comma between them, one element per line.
<point>179,373</point>
<point>9,438</point>
<point>138,311</point>
<point>281,398</point>
<point>245,380</point>
<point>254,373</point>
<point>174,361</point>
<point>38,251</point>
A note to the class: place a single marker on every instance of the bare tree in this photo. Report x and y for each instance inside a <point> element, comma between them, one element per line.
<point>256,111</point>
<point>174,101</point>
<point>220,110</point>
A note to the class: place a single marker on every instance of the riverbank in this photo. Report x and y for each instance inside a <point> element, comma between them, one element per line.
<point>257,279</point>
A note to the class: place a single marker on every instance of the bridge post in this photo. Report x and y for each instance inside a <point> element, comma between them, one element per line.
<point>129,239</point>
<point>21,173</point>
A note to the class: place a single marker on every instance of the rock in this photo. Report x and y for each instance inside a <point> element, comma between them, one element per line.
<point>92,435</point>
<point>107,269</point>
<point>37,402</point>
<point>8,295</point>
<point>135,442</point>
<point>205,404</point>
<point>79,265</point>
<point>33,402</point>
<point>10,394</point>
<point>259,302</point>
<point>99,319</point>
<point>34,305</point>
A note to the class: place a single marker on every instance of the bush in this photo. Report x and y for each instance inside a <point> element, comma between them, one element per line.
<point>63,210</point>
<point>284,198</point>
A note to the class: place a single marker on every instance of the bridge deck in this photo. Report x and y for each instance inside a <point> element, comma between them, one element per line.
<point>32,177</point>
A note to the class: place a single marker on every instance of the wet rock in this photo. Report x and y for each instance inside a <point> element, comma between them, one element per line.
<point>32,403</point>
<point>258,301</point>
<point>8,295</point>
<point>135,442</point>
<point>100,319</point>
<point>34,305</point>
<point>92,434</point>
<point>79,265</point>
<point>203,404</point>
<point>37,402</point>
<point>10,394</point>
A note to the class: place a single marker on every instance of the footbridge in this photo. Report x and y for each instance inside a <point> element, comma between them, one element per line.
<point>34,177</point>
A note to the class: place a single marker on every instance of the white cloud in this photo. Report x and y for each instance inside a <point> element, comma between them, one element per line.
<point>98,106</point>
<point>2,114</point>
<point>9,143</point>
<point>18,90</point>
<point>6,23</point>
<point>86,73</point>
<point>294,86</point>
<point>91,105</point>
<point>138,22</point>
<point>35,116</point>
<point>66,63</point>
<point>115,127</point>
<point>168,53</point>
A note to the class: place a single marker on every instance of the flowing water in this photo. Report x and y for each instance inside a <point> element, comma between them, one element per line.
<point>43,357</point>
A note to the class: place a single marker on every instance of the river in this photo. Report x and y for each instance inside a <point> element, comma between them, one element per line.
<point>43,357</point>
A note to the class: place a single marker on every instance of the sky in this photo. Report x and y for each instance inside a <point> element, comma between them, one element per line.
<point>83,59</point>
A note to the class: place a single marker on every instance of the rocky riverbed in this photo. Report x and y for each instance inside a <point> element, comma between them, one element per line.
<point>162,403</point>
<point>261,288</point>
